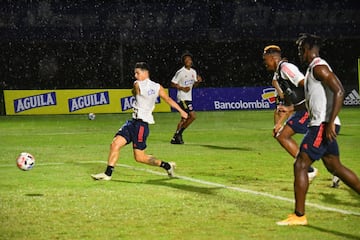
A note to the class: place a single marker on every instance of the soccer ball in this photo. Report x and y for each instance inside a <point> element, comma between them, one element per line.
<point>91,116</point>
<point>25,161</point>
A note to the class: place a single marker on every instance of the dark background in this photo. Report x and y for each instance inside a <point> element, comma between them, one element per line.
<point>95,44</point>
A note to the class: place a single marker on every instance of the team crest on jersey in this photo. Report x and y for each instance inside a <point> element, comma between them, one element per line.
<point>128,102</point>
<point>151,92</point>
<point>269,95</point>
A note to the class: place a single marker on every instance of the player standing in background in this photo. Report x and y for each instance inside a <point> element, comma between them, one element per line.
<point>136,130</point>
<point>289,84</point>
<point>184,80</point>
<point>324,96</point>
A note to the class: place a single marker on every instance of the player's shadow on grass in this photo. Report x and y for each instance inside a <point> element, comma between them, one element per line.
<point>216,147</point>
<point>336,233</point>
<point>184,187</point>
<point>34,195</point>
<point>332,199</point>
<point>124,181</point>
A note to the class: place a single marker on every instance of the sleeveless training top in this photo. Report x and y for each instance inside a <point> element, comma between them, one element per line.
<point>145,101</point>
<point>319,98</point>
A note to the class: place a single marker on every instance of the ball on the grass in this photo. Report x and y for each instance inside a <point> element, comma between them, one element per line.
<point>91,116</point>
<point>25,161</point>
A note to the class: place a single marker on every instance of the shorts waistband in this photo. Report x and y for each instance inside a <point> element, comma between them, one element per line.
<point>138,120</point>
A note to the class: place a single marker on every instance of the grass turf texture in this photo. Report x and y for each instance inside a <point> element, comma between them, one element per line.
<point>59,200</point>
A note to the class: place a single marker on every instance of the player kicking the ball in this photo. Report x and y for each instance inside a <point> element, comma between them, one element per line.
<point>136,130</point>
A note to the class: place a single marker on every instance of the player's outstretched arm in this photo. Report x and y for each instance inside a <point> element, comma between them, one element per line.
<point>171,102</point>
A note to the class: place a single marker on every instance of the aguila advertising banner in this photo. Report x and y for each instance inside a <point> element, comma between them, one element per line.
<point>32,102</point>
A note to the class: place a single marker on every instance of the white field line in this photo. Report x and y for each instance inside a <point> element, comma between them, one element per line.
<point>242,190</point>
<point>238,189</point>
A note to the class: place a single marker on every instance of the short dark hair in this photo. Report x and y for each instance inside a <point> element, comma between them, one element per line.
<point>310,39</point>
<point>186,54</point>
<point>142,65</point>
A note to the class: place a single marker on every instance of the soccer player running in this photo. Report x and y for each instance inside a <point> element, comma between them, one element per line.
<point>136,130</point>
<point>289,84</point>
<point>184,80</point>
<point>324,96</point>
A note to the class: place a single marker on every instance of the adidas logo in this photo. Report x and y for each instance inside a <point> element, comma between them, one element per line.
<point>353,98</point>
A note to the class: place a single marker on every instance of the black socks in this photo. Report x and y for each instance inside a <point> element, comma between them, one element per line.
<point>165,165</point>
<point>299,214</point>
<point>109,170</point>
<point>181,130</point>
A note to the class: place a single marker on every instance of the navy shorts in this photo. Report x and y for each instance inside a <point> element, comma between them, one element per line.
<point>299,121</point>
<point>316,145</point>
<point>135,131</point>
<point>186,106</point>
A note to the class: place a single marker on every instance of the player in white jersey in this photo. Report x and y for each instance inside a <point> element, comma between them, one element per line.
<point>184,80</point>
<point>289,84</point>
<point>324,96</point>
<point>136,130</point>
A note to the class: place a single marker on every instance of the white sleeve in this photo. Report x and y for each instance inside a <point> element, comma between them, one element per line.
<point>195,74</point>
<point>292,73</point>
<point>276,76</point>
<point>176,77</point>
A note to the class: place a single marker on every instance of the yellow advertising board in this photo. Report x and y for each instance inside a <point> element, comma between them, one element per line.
<point>32,102</point>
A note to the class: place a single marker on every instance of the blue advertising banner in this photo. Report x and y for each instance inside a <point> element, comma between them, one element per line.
<point>223,99</point>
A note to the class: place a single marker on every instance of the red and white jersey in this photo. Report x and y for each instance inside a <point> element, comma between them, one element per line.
<point>145,101</point>
<point>319,98</point>
<point>185,78</point>
<point>289,71</point>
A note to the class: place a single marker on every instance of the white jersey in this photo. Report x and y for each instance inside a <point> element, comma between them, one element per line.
<point>319,98</point>
<point>145,101</point>
<point>289,71</point>
<point>185,78</point>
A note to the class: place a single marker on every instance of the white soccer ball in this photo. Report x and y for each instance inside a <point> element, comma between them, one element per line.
<point>91,116</point>
<point>25,161</point>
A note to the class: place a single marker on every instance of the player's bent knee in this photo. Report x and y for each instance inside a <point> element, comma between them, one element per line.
<point>138,158</point>
<point>281,138</point>
<point>332,164</point>
<point>192,115</point>
<point>302,162</point>
<point>141,158</point>
<point>114,146</point>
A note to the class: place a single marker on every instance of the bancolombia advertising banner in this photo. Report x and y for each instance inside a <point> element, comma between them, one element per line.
<point>31,102</point>
<point>222,99</point>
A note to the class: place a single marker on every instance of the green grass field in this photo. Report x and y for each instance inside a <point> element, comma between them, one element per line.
<point>235,181</point>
